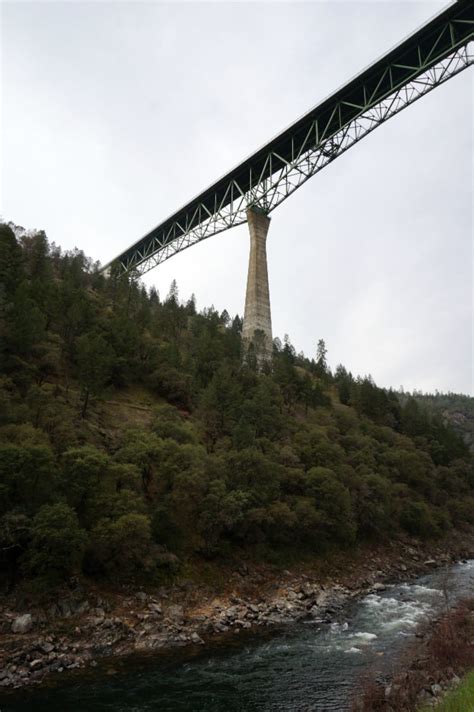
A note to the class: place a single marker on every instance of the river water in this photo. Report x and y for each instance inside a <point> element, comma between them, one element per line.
<point>306,666</point>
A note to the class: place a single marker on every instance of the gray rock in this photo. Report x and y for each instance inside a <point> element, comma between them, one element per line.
<point>196,639</point>
<point>430,562</point>
<point>65,608</point>
<point>307,590</point>
<point>175,612</point>
<point>141,596</point>
<point>436,690</point>
<point>155,608</point>
<point>379,587</point>
<point>23,624</point>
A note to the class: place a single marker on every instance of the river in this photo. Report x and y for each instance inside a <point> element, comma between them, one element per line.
<point>305,666</point>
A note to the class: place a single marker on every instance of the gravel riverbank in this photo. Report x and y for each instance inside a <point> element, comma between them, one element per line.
<point>84,624</point>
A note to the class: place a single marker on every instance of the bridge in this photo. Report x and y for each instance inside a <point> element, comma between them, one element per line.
<point>439,50</point>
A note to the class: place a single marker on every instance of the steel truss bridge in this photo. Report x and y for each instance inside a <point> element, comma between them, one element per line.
<point>433,54</point>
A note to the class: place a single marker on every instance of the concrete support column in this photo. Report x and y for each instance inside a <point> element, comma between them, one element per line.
<point>257,316</point>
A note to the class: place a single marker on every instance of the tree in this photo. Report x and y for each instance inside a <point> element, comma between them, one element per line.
<point>191,305</point>
<point>173,294</point>
<point>28,476</point>
<point>321,368</point>
<point>122,546</point>
<point>10,261</point>
<point>94,365</point>
<point>85,471</point>
<point>57,543</point>
<point>333,500</point>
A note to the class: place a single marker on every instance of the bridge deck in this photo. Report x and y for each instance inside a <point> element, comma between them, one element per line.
<point>440,37</point>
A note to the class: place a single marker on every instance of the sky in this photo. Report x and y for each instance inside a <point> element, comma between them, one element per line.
<point>114,114</point>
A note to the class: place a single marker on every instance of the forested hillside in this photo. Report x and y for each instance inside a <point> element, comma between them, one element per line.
<point>135,438</point>
<point>455,408</point>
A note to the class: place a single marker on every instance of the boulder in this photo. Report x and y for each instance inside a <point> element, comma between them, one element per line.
<point>436,690</point>
<point>23,624</point>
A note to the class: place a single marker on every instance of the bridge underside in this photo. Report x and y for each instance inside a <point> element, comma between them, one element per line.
<point>432,55</point>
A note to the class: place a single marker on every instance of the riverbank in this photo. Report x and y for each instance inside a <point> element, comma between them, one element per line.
<point>85,624</point>
<point>460,699</point>
<point>432,668</point>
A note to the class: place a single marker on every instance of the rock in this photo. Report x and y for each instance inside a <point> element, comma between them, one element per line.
<point>307,590</point>
<point>379,587</point>
<point>322,599</point>
<point>141,596</point>
<point>430,562</point>
<point>155,608</point>
<point>196,639</point>
<point>65,608</point>
<point>436,690</point>
<point>36,664</point>
<point>47,647</point>
<point>175,612</point>
<point>83,607</point>
<point>23,624</point>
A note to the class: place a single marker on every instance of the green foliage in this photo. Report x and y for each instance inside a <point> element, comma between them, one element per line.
<point>122,545</point>
<point>28,477</point>
<point>57,543</point>
<point>186,447</point>
<point>94,365</point>
<point>418,519</point>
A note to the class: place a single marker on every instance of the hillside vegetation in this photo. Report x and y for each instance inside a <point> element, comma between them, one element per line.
<point>455,408</point>
<point>135,437</point>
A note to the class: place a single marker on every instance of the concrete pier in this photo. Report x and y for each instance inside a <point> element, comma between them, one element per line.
<point>257,316</point>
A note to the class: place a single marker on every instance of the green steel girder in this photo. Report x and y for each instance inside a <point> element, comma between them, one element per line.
<point>426,59</point>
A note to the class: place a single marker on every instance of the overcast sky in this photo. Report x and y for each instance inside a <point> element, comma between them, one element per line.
<point>116,113</point>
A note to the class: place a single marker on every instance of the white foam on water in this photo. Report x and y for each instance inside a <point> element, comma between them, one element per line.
<point>353,650</point>
<point>420,590</point>
<point>365,636</point>
<point>337,627</point>
<point>392,614</point>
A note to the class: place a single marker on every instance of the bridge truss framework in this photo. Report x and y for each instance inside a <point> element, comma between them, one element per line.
<point>440,50</point>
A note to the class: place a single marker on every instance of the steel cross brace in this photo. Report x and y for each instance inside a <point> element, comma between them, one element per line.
<point>323,142</point>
